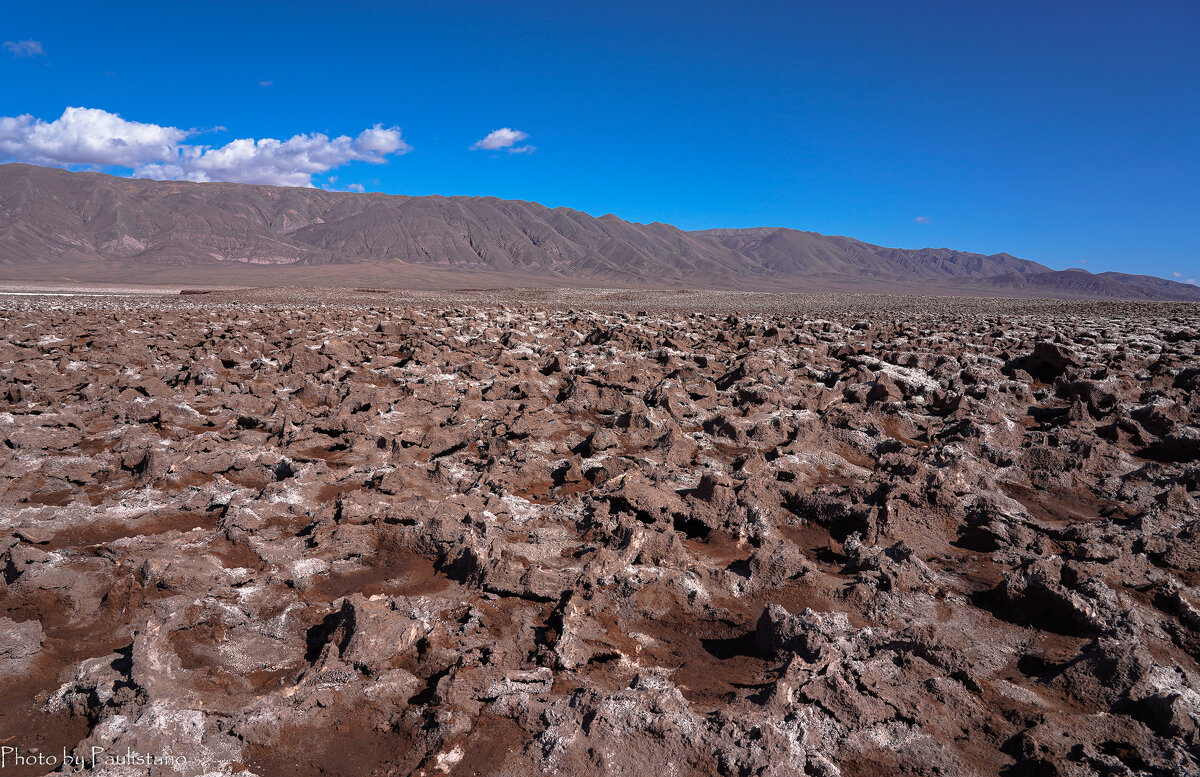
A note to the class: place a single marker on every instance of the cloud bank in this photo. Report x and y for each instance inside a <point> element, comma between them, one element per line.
<point>95,137</point>
<point>24,48</point>
<point>504,139</point>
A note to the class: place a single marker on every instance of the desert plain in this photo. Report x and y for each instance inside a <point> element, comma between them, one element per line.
<point>591,532</point>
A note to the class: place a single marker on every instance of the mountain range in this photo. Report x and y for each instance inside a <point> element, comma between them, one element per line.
<point>61,226</point>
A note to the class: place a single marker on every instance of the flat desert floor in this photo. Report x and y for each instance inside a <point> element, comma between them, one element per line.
<point>593,532</point>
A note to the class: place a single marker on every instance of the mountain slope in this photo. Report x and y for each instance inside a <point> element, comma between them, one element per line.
<point>85,224</point>
<point>791,251</point>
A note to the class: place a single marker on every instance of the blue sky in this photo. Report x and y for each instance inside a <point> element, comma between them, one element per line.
<point>1061,132</point>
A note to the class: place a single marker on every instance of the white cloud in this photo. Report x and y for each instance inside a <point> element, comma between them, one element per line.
<point>86,136</point>
<point>1177,274</point>
<point>923,220</point>
<point>24,48</point>
<point>266,83</point>
<point>290,162</point>
<point>1192,281</point>
<point>504,138</point>
<point>331,185</point>
<point>91,136</point>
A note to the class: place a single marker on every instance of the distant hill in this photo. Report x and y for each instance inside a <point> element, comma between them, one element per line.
<point>58,225</point>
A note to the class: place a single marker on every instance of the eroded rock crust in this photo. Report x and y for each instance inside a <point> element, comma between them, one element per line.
<point>479,534</point>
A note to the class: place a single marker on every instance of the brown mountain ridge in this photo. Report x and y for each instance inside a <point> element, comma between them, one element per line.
<point>57,225</point>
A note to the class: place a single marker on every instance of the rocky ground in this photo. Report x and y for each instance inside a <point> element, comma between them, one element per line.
<point>600,534</point>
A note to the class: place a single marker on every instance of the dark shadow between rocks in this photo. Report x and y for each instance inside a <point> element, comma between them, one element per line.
<point>731,647</point>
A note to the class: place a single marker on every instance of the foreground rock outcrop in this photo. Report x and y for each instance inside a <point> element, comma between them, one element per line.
<point>585,533</point>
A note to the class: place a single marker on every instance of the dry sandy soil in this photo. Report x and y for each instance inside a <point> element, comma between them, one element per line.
<point>599,533</point>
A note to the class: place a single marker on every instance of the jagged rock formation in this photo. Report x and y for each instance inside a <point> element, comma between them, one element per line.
<point>590,534</point>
